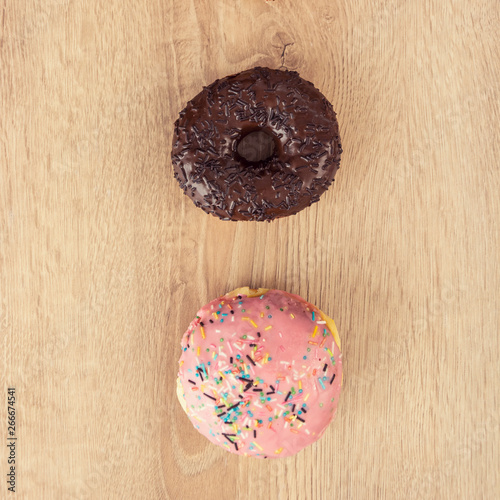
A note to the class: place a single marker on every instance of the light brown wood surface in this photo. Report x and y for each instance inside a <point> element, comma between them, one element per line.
<point>104,262</point>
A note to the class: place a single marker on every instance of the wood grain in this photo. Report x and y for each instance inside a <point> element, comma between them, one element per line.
<point>103,261</point>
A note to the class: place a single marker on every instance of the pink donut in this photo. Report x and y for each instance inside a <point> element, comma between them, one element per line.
<point>260,372</point>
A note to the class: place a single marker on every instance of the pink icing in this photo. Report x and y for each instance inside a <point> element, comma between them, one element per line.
<point>260,376</point>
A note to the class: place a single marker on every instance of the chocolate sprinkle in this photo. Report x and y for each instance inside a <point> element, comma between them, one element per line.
<point>229,436</point>
<point>291,110</point>
<point>251,360</point>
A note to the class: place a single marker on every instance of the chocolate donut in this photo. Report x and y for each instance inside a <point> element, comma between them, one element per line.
<point>216,165</point>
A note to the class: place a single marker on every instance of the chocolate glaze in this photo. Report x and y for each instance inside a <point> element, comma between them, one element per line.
<point>306,154</point>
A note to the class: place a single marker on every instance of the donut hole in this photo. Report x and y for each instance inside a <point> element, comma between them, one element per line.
<point>256,146</point>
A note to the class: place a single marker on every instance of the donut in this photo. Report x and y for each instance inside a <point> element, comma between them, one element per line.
<point>260,372</point>
<point>226,175</point>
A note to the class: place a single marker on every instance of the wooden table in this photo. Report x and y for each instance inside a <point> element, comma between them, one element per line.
<point>104,262</point>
